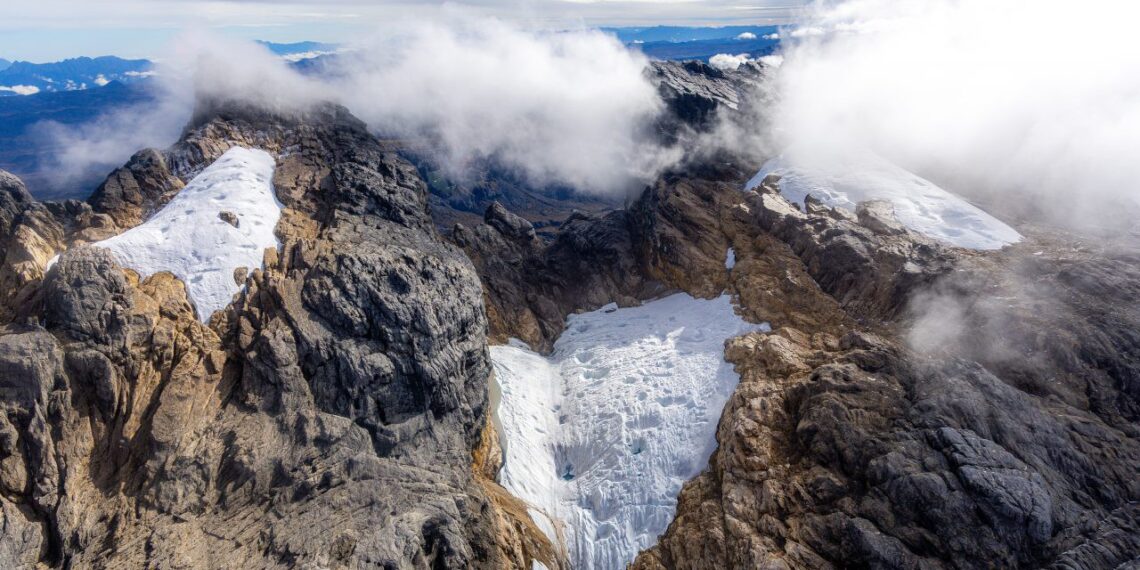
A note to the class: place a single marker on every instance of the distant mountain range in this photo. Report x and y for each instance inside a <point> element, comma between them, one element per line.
<point>679,42</point>
<point>77,74</point>
<point>26,78</point>
<point>678,34</point>
<point>298,51</point>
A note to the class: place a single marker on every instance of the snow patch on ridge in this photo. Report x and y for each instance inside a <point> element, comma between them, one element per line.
<point>601,435</point>
<point>189,238</point>
<point>918,203</point>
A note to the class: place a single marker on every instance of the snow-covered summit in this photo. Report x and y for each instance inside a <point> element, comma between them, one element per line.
<point>222,220</point>
<point>843,181</point>
<point>599,437</point>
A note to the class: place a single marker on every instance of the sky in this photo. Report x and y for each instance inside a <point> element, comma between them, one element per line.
<point>49,30</point>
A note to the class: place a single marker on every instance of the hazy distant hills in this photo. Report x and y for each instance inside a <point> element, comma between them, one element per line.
<point>26,78</point>
<point>298,51</point>
<point>25,148</point>
<point>681,34</point>
<point>680,42</point>
<point>4,64</point>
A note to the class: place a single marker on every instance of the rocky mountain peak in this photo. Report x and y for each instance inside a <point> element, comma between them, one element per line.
<point>339,412</point>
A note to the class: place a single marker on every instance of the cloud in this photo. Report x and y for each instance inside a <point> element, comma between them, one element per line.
<point>100,80</point>
<point>197,65</point>
<point>807,32</point>
<point>724,61</point>
<point>773,60</point>
<point>746,36</point>
<point>992,99</point>
<point>771,36</point>
<point>573,108</point>
<point>21,89</point>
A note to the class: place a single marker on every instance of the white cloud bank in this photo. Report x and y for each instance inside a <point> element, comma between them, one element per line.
<point>724,61</point>
<point>21,89</point>
<point>990,98</point>
<point>570,107</point>
<point>574,108</point>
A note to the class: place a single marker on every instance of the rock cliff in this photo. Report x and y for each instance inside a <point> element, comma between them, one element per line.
<point>915,405</point>
<point>330,417</point>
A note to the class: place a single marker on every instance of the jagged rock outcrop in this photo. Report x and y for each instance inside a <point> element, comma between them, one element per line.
<point>329,418</point>
<point>30,234</point>
<point>895,417</point>
<point>531,287</point>
<point>697,93</point>
<point>14,199</point>
<point>911,421</point>
<point>916,406</point>
<point>132,193</point>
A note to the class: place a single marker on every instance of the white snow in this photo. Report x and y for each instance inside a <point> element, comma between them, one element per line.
<point>601,435</point>
<point>918,203</point>
<point>189,239</point>
<point>730,259</point>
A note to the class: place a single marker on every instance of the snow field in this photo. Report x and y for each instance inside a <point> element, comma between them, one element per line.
<point>918,203</point>
<point>601,435</point>
<point>189,238</point>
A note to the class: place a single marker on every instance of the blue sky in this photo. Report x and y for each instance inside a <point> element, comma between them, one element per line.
<point>49,30</point>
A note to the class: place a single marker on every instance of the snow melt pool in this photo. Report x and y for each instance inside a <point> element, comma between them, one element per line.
<point>190,238</point>
<point>600,436</point>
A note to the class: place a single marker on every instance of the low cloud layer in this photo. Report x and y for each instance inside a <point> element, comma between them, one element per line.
<point>990,98</point>
<point>570,108</point>
<point>21,89</point>
<point>198,65</point>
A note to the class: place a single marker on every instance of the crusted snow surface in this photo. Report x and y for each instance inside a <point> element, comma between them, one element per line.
<point>189,238</point>
<point>600,435</point>
<point>844,181</point>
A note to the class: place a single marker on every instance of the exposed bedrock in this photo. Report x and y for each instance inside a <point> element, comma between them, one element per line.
<point>332,417</point>
<point>916,406</point>
<point>957,410</point>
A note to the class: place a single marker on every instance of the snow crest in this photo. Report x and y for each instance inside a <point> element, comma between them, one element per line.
<point>189,237</point>
<point>599,437</point>
<point>918,203</point>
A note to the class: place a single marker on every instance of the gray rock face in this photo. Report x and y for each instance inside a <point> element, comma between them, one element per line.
<point>132,193</point>
<point>949,409</point>
<point>509,225</point>
<point>858,437</point>
<point>327,419</point>
<point>695,92</point>
<point>14,199</point>
<point>870,264</point>
<point>335,415</point>
<point>531,287</point>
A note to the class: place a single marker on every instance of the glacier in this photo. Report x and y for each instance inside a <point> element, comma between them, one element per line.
<point>599,437</point>
<point>845,180</point>
<point>189,238</point>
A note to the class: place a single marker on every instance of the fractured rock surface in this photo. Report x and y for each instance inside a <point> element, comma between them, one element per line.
<point>328,418</point>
